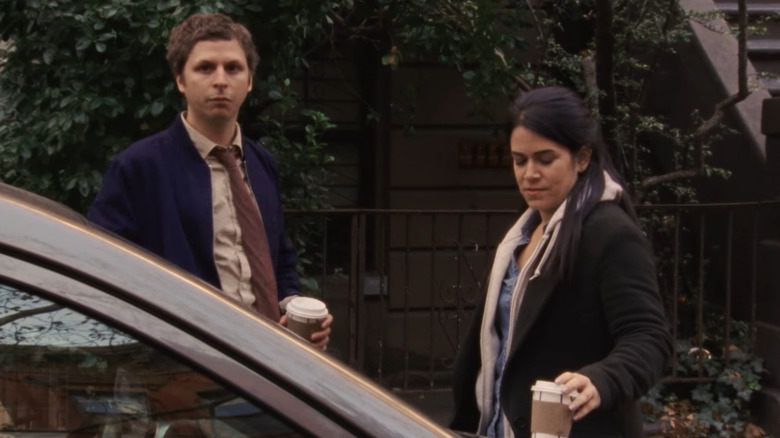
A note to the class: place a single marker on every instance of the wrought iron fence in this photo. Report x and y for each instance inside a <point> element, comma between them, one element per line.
<point>402,284</point>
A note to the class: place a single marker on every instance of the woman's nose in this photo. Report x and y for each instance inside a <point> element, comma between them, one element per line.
<point>531,170</point>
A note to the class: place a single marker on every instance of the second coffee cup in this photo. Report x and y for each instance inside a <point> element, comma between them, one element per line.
<point>550,414</point>
<point>305,315</point>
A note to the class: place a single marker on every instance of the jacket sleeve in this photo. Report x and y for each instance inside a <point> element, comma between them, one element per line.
<point>287,282</point>
<point>113,208</point>
<point>632,306</point>
<point>466,414</point>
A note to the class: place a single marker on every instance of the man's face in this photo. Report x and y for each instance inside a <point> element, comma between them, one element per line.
<point>215,81</point>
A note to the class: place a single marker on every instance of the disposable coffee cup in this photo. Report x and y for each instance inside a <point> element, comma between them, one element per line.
<point>550,414</point>
<point>305,315</point>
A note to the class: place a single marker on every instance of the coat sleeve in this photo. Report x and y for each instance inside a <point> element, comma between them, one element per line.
<point>628,288</point>
<point>287,281</point>
<point>467,365</point>
<point>113,207</point>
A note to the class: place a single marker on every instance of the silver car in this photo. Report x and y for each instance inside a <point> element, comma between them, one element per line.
<point>101,339</point>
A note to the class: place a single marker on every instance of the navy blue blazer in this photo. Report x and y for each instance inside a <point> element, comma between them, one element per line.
<point>157,194</point>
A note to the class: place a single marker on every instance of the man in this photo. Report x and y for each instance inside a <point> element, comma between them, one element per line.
<point>182,193</point>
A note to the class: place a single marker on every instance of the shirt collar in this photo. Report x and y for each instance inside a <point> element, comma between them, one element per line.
<point>533,221</point>
<point>203,144</point>
<point>526,230</point>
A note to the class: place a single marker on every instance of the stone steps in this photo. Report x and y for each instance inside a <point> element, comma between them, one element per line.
<point>754,8</point>
<point>764,48</point>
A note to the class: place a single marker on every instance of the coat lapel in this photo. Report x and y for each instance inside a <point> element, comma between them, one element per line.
<point>538,292</point>
<point>191,179</point>
<point>193,182</point>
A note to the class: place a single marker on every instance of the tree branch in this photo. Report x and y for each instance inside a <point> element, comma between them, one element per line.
<point>591,84</point>
<point>29,312</point>
<point>743,92</point>
<point>677,175</point>
<point>537,22</point>
<point>720,111</point>
<point>521,83</point>
<point>543,40</point>
<point>669,177</point>
<point>742,49</point>
<point>605,79</point>
<point>706,127</point>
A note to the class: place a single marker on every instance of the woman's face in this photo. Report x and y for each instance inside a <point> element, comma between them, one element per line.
<point>545,170</point>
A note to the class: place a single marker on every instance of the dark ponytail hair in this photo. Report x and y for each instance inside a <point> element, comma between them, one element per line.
<point>558,114</point>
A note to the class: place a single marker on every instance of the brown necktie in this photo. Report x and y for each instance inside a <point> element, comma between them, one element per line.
<point>253,235</point>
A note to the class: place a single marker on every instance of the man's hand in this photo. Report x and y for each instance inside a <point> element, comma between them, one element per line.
<point>322,338</point>
<point>588,399</point>
<point>319,339</point>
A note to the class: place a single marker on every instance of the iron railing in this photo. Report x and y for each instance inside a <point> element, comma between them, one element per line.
<point>403,284</point>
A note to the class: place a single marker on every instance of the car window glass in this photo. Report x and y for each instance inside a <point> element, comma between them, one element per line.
<point>68,375</point>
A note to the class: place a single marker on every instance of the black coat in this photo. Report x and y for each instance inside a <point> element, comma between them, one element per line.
<point>607,323</point>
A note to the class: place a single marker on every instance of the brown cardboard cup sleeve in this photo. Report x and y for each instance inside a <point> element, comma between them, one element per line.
<point>551,418</point>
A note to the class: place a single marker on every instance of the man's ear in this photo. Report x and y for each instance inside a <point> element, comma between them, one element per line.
<point>583,158</point>
<point>180,83</point>
<point>250,83</point>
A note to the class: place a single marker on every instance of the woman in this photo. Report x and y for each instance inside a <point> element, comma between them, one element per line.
<point>572,295</point>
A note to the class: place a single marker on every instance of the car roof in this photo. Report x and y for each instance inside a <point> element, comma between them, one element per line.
<point>55,236</point>
<point>42,203</point>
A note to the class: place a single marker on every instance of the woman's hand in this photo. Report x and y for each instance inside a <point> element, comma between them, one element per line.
<point>588,399</point>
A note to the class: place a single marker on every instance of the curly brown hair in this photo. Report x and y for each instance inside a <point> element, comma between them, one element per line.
<point>209,27</point>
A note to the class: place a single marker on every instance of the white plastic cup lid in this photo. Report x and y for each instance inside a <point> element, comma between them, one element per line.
<point>307,307</point>
<point>545,386</point>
